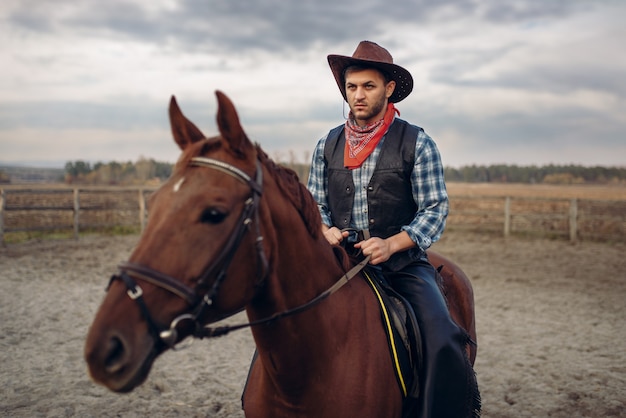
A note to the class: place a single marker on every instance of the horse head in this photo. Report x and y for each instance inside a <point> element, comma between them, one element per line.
<point>202,256</point>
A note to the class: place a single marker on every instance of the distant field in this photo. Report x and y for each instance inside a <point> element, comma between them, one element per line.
<point>596,192</point>
<point>592,191</point>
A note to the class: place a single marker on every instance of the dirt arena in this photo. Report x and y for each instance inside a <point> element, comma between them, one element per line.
<point>551,328</point>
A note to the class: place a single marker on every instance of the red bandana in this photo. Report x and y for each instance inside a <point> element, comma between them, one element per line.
<point>361,141</point>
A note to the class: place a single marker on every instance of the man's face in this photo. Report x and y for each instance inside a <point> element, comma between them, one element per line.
<point>367,95</point>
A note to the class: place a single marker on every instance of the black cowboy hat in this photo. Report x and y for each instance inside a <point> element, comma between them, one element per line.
<point>369,54</point>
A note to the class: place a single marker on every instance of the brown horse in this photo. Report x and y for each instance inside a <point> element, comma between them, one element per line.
<point>231,230</point>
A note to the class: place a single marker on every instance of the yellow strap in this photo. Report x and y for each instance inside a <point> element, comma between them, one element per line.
<point>389,327</point>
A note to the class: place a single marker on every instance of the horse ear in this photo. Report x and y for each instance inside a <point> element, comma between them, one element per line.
<point>229,126</point>
<point>184,131</point>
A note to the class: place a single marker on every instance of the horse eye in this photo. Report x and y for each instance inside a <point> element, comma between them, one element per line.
<point>212,216</point>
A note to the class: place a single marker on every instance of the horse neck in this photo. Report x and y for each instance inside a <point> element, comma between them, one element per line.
<point>303,264</point>
<point>302,268</point>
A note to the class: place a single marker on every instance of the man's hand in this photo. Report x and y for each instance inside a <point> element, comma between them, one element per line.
<point>378,248</point>
<point>333,235</point>
<point>381,250</point>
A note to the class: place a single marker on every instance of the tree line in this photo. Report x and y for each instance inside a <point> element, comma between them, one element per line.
<point>149,171</point>
<point>143,171</point>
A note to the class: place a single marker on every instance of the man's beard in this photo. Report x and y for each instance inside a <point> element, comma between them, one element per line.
<point>376,108</point>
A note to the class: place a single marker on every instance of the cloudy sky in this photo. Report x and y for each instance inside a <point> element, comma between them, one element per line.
<point>515,82</point>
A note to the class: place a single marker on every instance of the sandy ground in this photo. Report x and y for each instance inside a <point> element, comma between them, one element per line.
<point>551,328</point>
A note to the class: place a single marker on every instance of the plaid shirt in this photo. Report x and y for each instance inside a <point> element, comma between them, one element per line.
<point>429,190</point>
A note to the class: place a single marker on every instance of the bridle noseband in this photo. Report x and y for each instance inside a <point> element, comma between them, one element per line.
<point>128,272</point>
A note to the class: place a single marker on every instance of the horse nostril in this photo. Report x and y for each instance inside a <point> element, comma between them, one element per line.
<point>115,353</point>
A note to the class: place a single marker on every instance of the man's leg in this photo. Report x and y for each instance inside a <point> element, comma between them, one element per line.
<point>448,384</point>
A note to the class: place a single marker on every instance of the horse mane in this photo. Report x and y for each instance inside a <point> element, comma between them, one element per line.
<point>301,198</point>
<point>295,191</point>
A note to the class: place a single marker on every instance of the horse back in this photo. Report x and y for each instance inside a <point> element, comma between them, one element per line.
<point>459,294</point>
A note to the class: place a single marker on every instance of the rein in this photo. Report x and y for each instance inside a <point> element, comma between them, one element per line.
<point>223,330</point>
<point>169,336</point>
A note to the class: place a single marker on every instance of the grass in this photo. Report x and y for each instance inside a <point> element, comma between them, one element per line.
<point>19,237</point>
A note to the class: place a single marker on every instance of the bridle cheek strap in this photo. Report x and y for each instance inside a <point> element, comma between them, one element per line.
<point>218,267</point>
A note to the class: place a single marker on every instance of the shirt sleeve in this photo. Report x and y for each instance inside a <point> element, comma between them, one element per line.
<point>429,193</point>
<point>318,181</point>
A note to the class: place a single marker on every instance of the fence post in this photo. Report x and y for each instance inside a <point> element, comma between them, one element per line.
<point>507,216</point>
<point>573,220</point>
<point>1,216</point>
<point>142,210</point>
<point>76,212</point>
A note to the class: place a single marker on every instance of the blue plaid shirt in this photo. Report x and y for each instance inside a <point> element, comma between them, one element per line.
<point>429,190</point>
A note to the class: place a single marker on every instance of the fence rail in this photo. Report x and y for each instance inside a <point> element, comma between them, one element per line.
<point>573,219</point>
<point>80,209</point>
<point>71,209</point>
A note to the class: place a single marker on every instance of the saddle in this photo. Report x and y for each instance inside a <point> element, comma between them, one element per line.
<point>402,329</point>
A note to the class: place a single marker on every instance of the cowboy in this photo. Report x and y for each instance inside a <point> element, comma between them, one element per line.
<point>383,177</point>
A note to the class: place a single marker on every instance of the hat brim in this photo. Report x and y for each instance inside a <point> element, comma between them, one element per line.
<point>403,78</point>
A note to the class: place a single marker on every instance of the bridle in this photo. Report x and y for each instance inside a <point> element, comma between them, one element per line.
<point>130,272</point>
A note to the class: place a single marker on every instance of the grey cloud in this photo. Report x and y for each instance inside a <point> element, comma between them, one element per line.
<point>88,115</point>
<point>283,27</point>
<point>508,11</point>
<point>269,25</point>
<point>559,136</point>
<point>549,128</point>
<point>561,78</point>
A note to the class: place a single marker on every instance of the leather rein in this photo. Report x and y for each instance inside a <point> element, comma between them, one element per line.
<point>129,273</point>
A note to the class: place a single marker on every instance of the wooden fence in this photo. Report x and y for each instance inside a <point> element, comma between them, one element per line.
<point>573,219</point>
<point>71,209</point>
<point>77,210</point>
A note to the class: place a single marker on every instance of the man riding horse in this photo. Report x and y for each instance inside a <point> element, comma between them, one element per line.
<point>382,177</point>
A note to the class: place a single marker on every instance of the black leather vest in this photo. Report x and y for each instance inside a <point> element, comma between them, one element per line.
<point>389,192</point>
